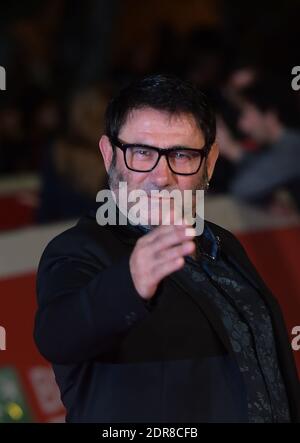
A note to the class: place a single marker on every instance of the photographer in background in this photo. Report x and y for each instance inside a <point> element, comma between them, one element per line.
<point>269,115</point>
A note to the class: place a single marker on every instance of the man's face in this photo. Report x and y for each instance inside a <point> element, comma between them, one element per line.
<point>156,128</point>
<point>254,123</point>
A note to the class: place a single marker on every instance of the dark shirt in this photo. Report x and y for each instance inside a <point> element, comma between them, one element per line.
<point>248,323</point>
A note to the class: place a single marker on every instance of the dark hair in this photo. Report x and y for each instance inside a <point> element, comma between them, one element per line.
<point>274,95</point>
<point>165,93</point>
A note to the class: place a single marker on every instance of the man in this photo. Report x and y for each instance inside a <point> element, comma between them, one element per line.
<point>145,323</point>
<point>269,115</point>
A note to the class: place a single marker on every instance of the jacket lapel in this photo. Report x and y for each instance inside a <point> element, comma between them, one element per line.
<point>129,235</point>
<point>203,303</point>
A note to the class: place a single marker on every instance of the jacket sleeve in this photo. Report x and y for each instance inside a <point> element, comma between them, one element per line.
<point>83,311</point>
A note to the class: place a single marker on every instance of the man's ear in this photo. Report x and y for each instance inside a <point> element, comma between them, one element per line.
<point>106,151</point>
<point>211,159</point>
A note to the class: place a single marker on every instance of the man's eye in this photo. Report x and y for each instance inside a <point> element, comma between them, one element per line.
<point>142,152</point>
<point>180,156</point>
<point>185,155</point>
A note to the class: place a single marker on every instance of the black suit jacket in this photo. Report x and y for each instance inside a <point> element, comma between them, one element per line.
<point>118,358</point>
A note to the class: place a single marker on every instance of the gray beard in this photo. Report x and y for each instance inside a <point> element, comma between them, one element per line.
<point>115,176</point>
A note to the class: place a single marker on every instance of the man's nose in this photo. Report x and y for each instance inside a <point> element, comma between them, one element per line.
<point>162,174</point>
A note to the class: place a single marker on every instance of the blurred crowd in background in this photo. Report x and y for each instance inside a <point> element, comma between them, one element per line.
<point>64,60</point>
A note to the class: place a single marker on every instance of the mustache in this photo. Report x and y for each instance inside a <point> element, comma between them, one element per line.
<point>148,188</point>
<point>115,176</point>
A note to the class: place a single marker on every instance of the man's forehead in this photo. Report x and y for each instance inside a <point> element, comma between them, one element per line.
<point>152,126</point>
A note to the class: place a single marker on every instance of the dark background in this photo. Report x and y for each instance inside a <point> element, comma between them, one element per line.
<point>64,59</point>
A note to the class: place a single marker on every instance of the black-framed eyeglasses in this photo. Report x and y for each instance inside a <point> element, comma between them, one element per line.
<point>144,158</point>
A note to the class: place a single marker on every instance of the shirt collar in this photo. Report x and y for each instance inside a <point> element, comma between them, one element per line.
<point>207,244</point>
